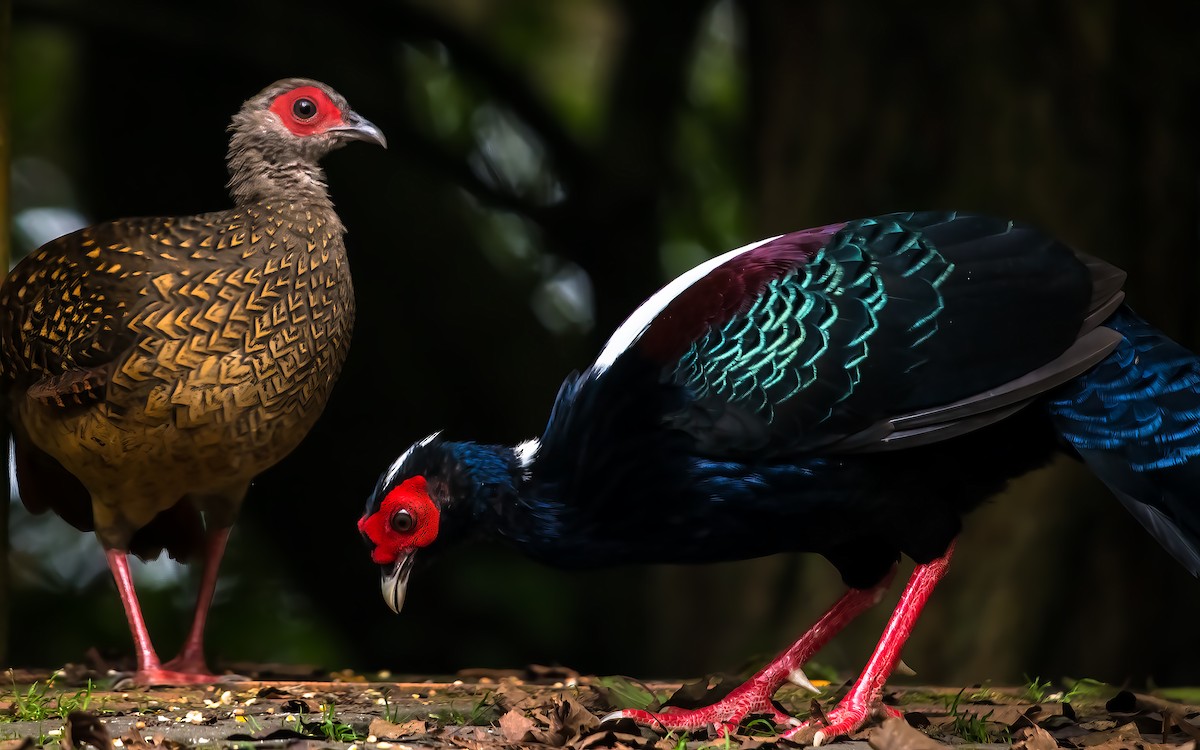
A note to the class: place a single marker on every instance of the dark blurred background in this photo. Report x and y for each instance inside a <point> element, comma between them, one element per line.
<point>550,165</point>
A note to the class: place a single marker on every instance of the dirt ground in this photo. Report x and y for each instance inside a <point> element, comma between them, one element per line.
<point>553,708</point>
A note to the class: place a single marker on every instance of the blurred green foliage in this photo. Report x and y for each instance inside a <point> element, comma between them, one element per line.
<point>551,164</point>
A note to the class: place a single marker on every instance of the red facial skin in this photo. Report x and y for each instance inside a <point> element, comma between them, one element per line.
<point>411,495</point>
<point>327,114</point>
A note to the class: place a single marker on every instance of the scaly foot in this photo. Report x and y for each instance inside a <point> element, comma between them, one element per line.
<point>753,697</point>
<point>188,663</point>
<point>163,676</point>
<point>848,716</point>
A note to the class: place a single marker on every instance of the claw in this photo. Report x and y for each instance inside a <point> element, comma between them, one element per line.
<point>797,677</point>
<point>818,738</point>
<point>612,716</point>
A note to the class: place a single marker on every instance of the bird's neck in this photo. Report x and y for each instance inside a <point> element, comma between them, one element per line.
<point>493,491</point>
<point>259,174</point>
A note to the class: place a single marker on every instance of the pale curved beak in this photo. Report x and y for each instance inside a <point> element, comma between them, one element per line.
<point>393,581</point>
<point>359,128</point>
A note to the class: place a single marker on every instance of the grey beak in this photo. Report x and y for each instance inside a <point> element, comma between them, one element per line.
<point>359,128</point>
<point>393,581</point>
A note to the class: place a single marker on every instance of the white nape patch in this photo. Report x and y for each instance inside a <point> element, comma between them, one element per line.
<point>527,451</point>
<point>637,323</point>
<point>395,467</point>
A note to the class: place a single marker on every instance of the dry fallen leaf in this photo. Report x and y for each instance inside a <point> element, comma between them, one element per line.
<point>1188,728</point>
<point>1121,736</point>
<point>1033,738</point>
<point>615,737</point>
<point>896,734</point>
<point>386,730</point>
<point>300,706</point>
<point>509,697</point>
<point>555,672</point>
<point>516,726</point>
<point>83,728</point>
<point>22,744</point>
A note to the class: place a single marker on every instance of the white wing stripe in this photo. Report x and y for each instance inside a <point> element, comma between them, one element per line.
<point>636,324</point>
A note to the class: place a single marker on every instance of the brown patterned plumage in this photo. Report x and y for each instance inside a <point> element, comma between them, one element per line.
<point>152,367</point>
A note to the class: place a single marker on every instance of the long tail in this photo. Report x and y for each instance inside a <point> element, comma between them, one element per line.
<point>1135,420</point>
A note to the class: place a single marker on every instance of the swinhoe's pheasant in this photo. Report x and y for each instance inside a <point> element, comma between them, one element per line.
<point>152,367</point>
<point>852,390</point>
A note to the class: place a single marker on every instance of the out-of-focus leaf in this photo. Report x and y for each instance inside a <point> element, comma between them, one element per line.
<point>702,692</point>
<point>384,729</point>
<point>85,728</point>
<point>622,692</point>
<point>1034,738</point>
<point>896,734</point>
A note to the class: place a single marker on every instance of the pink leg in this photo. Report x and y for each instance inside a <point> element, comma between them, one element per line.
<point>191,656</point>
<point>754,696</point>
<point>147,659</point>
<point>149,670</point>
<point>854,710</point>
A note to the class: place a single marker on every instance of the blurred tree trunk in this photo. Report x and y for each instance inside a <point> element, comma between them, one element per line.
<point>5,236</point>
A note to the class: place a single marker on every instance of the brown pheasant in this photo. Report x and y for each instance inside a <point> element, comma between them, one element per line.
<point>152,367</point>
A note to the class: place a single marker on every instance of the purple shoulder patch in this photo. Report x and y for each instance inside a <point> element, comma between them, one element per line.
<point>727,290</point>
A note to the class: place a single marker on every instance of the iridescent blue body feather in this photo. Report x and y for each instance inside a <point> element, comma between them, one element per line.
<point>851,390</point>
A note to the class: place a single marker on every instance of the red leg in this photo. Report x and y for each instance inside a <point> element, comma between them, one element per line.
<point>854,710</point>
<point>754,696</point>
<point>149,670</point>
<point>191,656</point>
<point>147,659</point>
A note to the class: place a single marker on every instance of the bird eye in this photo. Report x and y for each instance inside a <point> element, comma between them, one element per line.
<point>403,522</point>
<point>304,108</point>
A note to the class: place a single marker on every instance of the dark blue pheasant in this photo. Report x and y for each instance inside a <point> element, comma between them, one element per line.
<point>851,390</point>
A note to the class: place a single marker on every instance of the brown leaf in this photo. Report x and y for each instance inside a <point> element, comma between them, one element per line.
<point>509,697</point>
<point>133,740</point>
<point>746,742</point>
<point>384,729</point>
<point>896,734</point>
<point>572,716</point>
<point>1188,728</point>
<point>1123,734</point>
<point>1034,738</point>
<point>516,726</point>
<point>22,744</point>
<point>614,739</point>
<point>300,706</point>
<point>555,672</point>
<point>702,692</point>
<point>272,692</point>
<point>83,728</point>
<point>496,675</point>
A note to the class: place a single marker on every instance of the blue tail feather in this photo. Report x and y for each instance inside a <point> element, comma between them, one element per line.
<point>1135,421</point>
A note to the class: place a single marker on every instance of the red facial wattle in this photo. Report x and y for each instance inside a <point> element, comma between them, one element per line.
<point>326,116</point>
<point>412,495</point>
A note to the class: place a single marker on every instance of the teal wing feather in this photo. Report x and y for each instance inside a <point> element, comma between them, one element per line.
<point>893,314</point>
